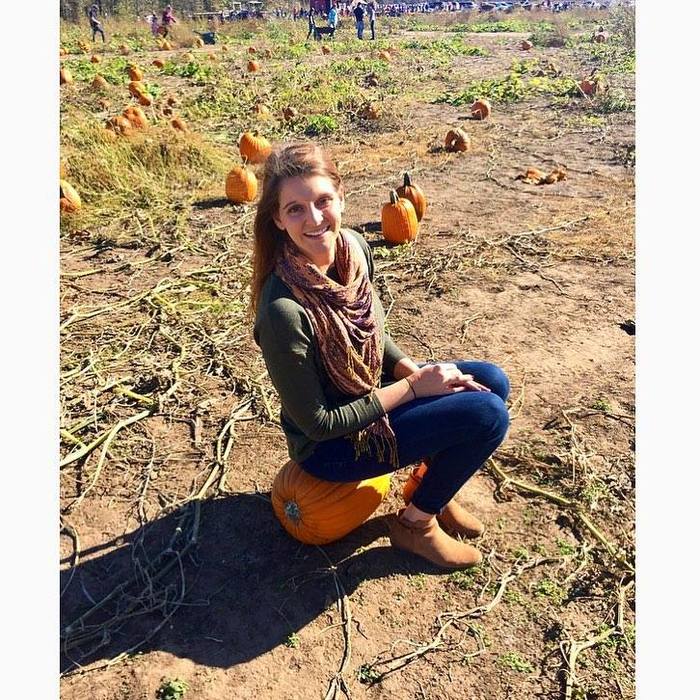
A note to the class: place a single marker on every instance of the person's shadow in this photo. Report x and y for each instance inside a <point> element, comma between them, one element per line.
<point>216,581</point>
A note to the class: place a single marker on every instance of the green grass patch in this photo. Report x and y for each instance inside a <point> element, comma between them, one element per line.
<point>515,662</point>
<point>504,25</point>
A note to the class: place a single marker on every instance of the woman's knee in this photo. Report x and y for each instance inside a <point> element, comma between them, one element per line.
<point>493,377</point>
<point>494,418</point>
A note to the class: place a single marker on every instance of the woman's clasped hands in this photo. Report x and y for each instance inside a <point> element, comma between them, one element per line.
<point>442,378</point>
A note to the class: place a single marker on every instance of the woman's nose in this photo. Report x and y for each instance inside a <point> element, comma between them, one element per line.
<point>315,214</point>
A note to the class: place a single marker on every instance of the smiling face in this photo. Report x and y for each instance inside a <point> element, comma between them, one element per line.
<point>309,212</point>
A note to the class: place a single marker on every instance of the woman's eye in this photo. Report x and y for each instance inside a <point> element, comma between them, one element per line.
<point>324,201</point>
<point>294,210</point>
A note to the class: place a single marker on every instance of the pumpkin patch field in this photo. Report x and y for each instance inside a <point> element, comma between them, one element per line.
<point>489,162</point>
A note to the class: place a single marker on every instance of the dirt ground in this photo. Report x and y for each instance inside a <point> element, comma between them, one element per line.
<point>158,584</point>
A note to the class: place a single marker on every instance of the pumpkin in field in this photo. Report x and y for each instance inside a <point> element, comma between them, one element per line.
<point>263,111</point>
<point>95,59</point>
<point>326,49</point>
<point>66,76</point>
<point>480,109</point>
<point>187,57</point>
<point>145,99</point>
<point>600,37</point>
<point>289,113</point>
<point>136,117</point>
<point>62,52</point>
<point>119,125</point>
<point>178,124</point>
<point>525,45</point>
<point>267,53</point>
<point>166,46</point>
<point>199,42</point>
<point>255,149</point>
<point>591,86</point>
<point>385,56</point>
<point>413,194</point>
<point>252,49</point>
<point>124,50</point>
<point>369,111</point>
<point>171,101</point>
<point>556,175</point>
<point>533,176</point>
<point>135,73</point>
<point>136,87</point>
<point>104,104</point>
<point>318,512</point>
<point>212,57</point>
<point>224,48</point>
<point>457,140</point>
<point>399,220</point>
<point>241,185</point>
<point>253,66</point>
<point>70,199</point>
<point>99,83</point>
<point>159,63</point>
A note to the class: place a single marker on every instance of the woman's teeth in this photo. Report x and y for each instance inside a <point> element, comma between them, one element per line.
<point>316,234</point>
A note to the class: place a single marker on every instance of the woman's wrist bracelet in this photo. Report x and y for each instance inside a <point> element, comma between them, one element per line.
<point>410,386</point>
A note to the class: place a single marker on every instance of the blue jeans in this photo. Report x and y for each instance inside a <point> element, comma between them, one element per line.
<point>360,28</point>
<point>455,434</point>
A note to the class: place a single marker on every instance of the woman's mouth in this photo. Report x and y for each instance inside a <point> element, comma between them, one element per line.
<point>318,232</point>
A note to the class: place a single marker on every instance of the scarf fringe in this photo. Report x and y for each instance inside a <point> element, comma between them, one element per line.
<point>377,439</point>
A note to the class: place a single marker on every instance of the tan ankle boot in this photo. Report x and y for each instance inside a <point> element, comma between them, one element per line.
<point>427,540</point>
<point>453,518</point>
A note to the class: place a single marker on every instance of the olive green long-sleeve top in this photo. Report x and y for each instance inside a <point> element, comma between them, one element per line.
<point>313,409</point>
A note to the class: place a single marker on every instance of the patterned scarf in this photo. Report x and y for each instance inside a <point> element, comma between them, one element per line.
<point>350,342</point>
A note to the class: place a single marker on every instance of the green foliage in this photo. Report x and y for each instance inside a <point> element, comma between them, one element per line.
<point>112,70</point>
<point>451,47</point>
<point>318,124</point>
<point>612,101</point>
<point>199,73</point>
<point>506,25</point>
<point>515,662</point>
<point>613,58</point>
<point>550,35</point>
<point>367,675</point>
<point>565,548</point>
<point>550,589</point>
<point>171,689</point>
<point>418,581</point>
<point>463,579</point>
<point>293,641</point>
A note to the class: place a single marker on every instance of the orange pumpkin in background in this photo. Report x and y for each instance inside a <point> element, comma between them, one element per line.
<point>178,124</point>
<point>480,109</point>
<point>255,149</point>
<point>457,140</point>
<point>66,76</point>
<point>135,73</point>
<point>241,185</point>
<point>314,511</point>
<point>99,83</point>
<point>95,59</point>
<point>399,220</point>
<point>253,66</point>
<point>69,198</point>
<point>159,63</point>
<point>136,117</point>
<point>119,125</point>
<point>136,87</point>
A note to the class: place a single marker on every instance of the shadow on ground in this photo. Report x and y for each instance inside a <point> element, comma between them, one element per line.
<point>218,582</point>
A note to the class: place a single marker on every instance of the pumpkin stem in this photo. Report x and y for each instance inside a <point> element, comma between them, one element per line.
<point>291,510</point>
<point>393,197</point>
<point>406,180</point>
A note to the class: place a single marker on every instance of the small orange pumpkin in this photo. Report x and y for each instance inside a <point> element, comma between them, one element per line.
<point>99,83</point>
<point>95,59</point>
<point>533,176</point>
<point>119,125</point>
<point>136,117</point>
<point>526,45</point>
<point>399,220</point>
<point>66,76</point>
<point>135,73</point>
<point>318,512</point>
<point>326,49</point>
<point>556,175</point>
<point>178,124</point>
<point>413,194</point>
<point>369,111</point>
<point>69,198</point>
<point>480,109</point>
<point>241,185</point>
<point>255,149</point>
<point>136,87</point>
<point>457,140</point>
<point>166,46</point>
<point>124,49</point>
<point>212,57</point>
<point>145,99</point>
<point>159,63</point>
<point>224,48</point>
<point>253,66</point>
<point>385,56</point>
<point>252,49</point>
<point>199,42</point>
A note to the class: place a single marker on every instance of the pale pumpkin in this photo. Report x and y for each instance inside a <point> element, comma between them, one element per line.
<point>314,511</point>
<point>136,117</point>
<point>457,140</point>
<point>241,185</point>
<point>399,220</point>
<point>187,57</point>
<point>99,83</point>
<point>69,198</point>
<point>254,149</point>
<point>480,109</point>
<point>413,194</point>
<point>166,46</point>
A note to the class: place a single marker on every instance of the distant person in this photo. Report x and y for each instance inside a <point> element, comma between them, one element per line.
<point>93,14</point>
<point>372,16</point>
<point>312,24</point>
<point>167,20</point>
<point>359,13</point>
<point>333,16</point>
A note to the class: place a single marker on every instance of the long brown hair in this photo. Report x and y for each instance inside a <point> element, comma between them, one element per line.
<point>303,159</point>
